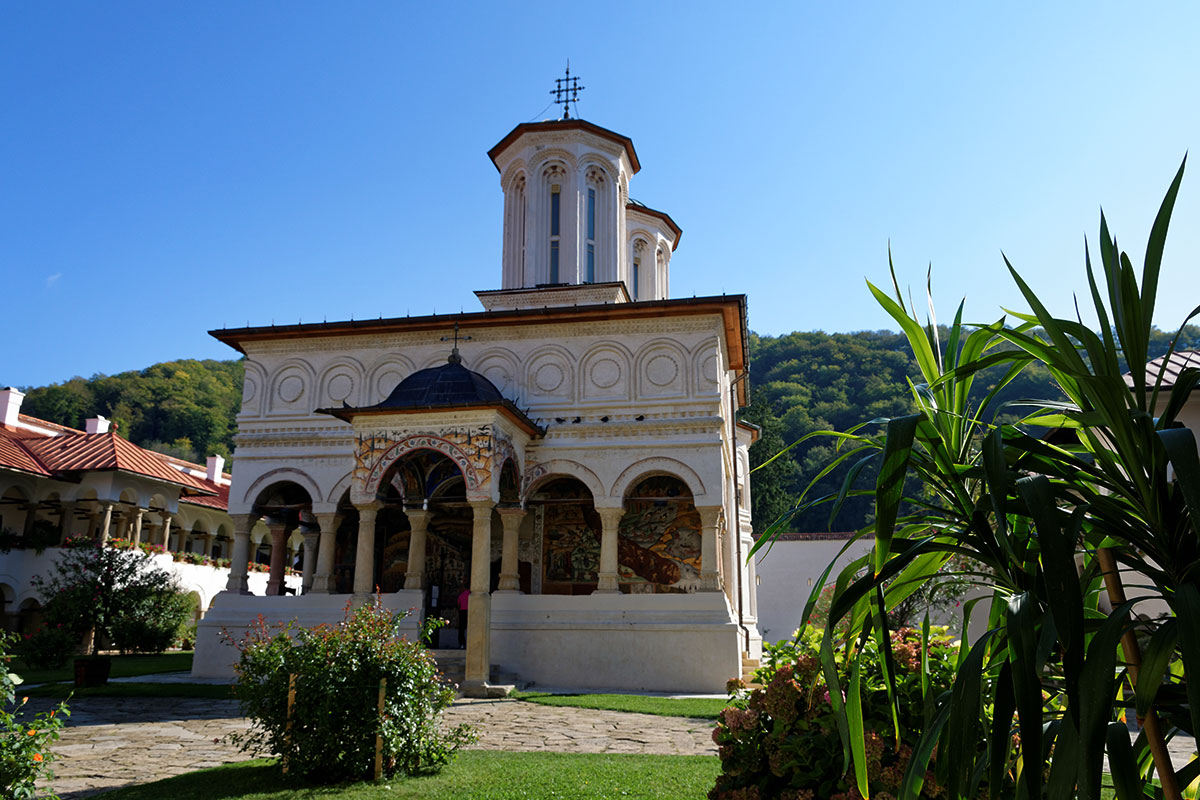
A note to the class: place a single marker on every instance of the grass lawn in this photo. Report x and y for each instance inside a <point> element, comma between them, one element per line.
<point>700,707</point>
<point>122,667</point>
<point>486,775</point>
<point>206,691</point>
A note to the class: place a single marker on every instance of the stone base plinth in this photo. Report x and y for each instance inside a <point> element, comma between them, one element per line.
<point>235,613</point>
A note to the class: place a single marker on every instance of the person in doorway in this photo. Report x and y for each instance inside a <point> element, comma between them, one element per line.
<point>463,597</point>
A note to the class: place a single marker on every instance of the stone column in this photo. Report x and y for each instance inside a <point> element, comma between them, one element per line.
<point>510,580</point>
<point>105,521</point>
<point>710,520</point>
<point>123,524</point>
<point>364,556</point>
<point>279,536</point>
<point>311,538</point>
<point>137,525</point>
<point>323,579</point>
<point>610,522</point>
<point>418,521</point>
<point>479,609</point>
<point>239,561</point>
<point>165,533</point>
<point>66,514</point>
<point>93,530</point>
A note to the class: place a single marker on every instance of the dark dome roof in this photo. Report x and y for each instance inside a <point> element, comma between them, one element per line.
<point>451,384</point>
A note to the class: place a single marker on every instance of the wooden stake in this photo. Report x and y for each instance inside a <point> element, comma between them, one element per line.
<point>287,731</point>
<point>1133,659</point>
<point>379,735</point>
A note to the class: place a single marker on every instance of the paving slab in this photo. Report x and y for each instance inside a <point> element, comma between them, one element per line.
<point>111,742</point>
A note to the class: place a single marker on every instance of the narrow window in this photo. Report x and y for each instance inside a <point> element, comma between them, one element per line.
<point>591,236</point>
<point>637,263</point>
<point>555,207</point>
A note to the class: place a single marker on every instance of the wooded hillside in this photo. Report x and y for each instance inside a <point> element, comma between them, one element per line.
<point>185,408</point>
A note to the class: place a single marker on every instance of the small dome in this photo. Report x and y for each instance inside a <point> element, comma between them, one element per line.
<point>451,384</point>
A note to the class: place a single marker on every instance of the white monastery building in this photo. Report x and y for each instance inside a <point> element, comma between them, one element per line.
<point>569,454</point>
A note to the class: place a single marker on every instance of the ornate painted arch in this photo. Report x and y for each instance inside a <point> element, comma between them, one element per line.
<point>365,484</point>
<point>658,465</point>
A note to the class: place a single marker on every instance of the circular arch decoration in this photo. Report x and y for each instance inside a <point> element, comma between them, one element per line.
<point>331,389</point>
<point>658,465</point>
<point>422,441</point>
<point>385,374</point>
<point>254,382</point>
<point>561,468</point>
<point>281,475</point>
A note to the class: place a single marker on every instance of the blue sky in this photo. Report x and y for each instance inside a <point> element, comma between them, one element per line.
<point>170,167</point>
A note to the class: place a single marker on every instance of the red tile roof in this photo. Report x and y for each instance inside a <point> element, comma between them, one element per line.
<point>1169,367</point>
<point>15,455</point>
<point>84,452</point>
<point>219,501</point>
<point>72,451</point>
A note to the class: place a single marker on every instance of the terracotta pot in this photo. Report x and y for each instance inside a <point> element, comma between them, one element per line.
<point>92,670</point>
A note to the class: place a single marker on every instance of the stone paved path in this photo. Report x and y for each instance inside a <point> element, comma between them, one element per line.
<point>112,742</point>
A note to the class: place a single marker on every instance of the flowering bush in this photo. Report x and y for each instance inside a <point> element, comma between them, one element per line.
<point>782,741</point>
<point>49,647</point>
<point>335,720</point>
<point>24,743</point>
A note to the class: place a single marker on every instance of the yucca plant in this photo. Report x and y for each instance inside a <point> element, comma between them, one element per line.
<point>1036,705</point>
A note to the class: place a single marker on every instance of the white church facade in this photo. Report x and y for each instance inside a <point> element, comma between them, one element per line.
<point>569,454</point>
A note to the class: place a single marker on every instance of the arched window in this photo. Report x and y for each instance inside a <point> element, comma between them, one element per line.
<point>517,229</point>
<point>635,269</point>
<point>595,221</point>
<point>554,178</point>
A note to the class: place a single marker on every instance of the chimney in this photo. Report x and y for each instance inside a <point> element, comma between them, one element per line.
<point>215,466</point>
<point>10,405</point>
<point>97,424</point>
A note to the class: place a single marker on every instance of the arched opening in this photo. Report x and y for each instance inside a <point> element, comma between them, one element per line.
<point>197,539</point>
<point>571,532</point>
<point>29,617</point>
<point>281,508</point>
<point>658,545</point>
<point>8,619</point>
<point>14,511</point>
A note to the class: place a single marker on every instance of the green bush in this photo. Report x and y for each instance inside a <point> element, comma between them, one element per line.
<point>782,740</point>
<point>24,743</point>
<point>48,647</point>
<point>153,624</point>
<point>335,719</point>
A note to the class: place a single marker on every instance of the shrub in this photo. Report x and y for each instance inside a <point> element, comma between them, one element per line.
<point>24,744</point>
<point>335,719</point>
<point>48,647</point>
<point>152,624</point>
<point>782,740</point>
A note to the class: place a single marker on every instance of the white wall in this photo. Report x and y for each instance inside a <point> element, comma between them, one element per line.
<point>786,575</point>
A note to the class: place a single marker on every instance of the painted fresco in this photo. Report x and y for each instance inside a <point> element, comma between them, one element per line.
<point>393,563</point>
<point>476,450</point>
<point>659,540</point>
<point>570,537</point>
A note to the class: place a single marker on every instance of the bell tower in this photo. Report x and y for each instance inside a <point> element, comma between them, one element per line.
<point>568,218</point>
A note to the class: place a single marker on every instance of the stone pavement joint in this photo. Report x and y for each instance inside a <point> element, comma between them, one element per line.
<point>113,742</point>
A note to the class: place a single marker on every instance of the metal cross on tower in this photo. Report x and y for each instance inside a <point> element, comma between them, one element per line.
<point>566,91</point>
<point>455,358</point>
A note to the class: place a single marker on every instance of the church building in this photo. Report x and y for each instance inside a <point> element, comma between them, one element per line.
<point>569,454</point>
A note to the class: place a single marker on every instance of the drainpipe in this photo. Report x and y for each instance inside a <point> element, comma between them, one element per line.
<point>737,504</point>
